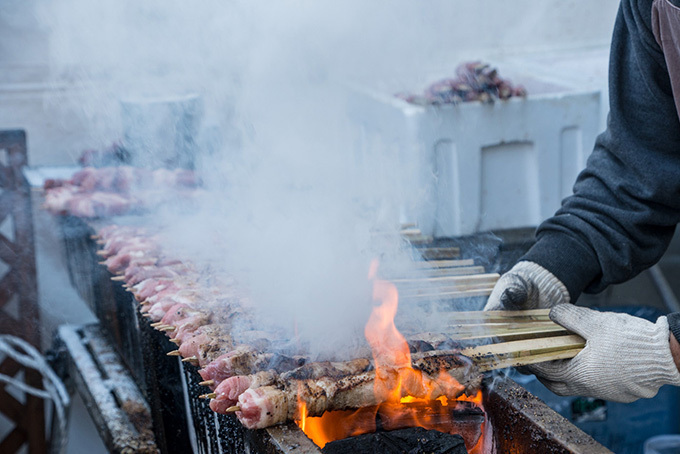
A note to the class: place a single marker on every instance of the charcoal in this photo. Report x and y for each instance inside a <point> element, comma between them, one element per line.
<point>414,440</point>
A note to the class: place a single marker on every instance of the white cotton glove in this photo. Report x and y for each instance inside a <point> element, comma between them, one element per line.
<point>527,286</point>
<point>625,357</point>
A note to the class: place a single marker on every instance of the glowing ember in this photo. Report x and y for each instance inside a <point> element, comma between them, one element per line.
<point>410,398</point>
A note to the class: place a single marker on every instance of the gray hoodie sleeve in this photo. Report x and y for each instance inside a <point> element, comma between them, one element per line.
<point>626,203</point>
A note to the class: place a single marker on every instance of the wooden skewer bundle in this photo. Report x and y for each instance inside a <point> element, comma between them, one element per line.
<point>527,337</point>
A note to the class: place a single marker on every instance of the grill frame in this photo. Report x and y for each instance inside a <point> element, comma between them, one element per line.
<point>184,423</point>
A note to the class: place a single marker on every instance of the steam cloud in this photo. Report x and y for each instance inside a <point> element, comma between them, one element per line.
<point>294,196</point>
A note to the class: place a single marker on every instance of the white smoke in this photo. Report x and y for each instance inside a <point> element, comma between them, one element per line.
<point>294,200</point>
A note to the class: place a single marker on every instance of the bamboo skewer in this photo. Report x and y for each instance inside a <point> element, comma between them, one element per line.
<point>454,271</point>
<point>540,349</point>
<point>531,331</point>
<point>481,291</point>
<point>434,273</point>
<point>438,253</point>
<point>434,264</point>
<point>516,353</point>
<point>530,315</point>
<point>435,292</point>
<point>461,279</point>
<point>502,363</point>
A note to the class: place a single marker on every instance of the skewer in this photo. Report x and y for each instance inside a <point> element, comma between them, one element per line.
<point>459,271</point>
<point>166,328</point>
<point>444,263</point>
<point>192,359</point>
<point>499,316</point>
<point>118,278</point>
<point>502,363</point>
<point>155,324</point>
<point>530,331</point>
<point>437,253</point>
<point>102,253</point>
<point>208,396</point>
<point>175,341</point>
<point>434,291</point>
<point>520,350</point>
<point>207,383</point>
<point>482,291</point>
<point>94,237</point>
<point>450,280</point>
<point>174,353</point>
<point>515,353</point>
<point>435,273</point>
<point>233,409</point>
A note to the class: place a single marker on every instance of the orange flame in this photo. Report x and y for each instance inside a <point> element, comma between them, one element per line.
<point>409,397</point>
<point>391,355</point>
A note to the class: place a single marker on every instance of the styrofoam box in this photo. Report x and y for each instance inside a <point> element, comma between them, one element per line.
<point>481,167</point>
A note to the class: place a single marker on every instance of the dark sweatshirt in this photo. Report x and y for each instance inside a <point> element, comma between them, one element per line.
<point>626,203</point>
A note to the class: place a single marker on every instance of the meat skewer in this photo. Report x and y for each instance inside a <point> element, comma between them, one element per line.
<point>228,391</point>
<point>245,360</point>
<point>269,405</point>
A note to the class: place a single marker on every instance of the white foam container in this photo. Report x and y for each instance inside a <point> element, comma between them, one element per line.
<point>481,167</point>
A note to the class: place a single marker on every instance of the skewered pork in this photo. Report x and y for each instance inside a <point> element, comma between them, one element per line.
<point>245,360</point>
<point>269,405</point>
<point>109,191</point>
<point>229,390</point>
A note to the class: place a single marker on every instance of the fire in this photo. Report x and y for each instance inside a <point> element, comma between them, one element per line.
<point>410,398</point>
<point>391,355</point>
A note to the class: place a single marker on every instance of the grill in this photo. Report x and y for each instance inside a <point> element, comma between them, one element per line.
<point>169,389</point>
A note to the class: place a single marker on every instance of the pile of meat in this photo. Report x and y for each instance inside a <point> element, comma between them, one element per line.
<point>261,376</point>
<point>109,191</point>
<point>474,81</point>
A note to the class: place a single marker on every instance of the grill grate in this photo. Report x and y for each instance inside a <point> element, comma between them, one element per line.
<point>184,423</point>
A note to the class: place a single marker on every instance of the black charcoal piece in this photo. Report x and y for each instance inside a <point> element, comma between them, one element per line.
<point>414,440</point>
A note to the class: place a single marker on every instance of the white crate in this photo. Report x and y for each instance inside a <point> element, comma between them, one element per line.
<point>479,167</point>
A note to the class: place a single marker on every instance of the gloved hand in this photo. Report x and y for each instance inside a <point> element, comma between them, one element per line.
<point>527,286</point>
<point>625,357</point>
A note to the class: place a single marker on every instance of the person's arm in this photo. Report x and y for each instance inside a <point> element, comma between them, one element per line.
<point>626,202</point>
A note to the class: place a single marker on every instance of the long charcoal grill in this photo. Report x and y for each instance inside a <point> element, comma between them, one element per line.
<point>183,422</point>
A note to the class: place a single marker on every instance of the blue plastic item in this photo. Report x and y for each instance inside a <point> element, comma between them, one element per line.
<point>663,444</point>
